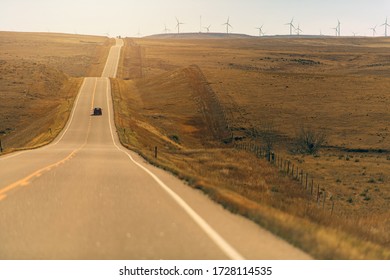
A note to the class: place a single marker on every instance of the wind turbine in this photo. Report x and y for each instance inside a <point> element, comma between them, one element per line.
<point>178,25</point>
<point>166,30</point>
<point>385,25</point>
<point>260,30</point>
<point>354,34</point>
<point>373,30</point>
<point>227,25</point>
<point>298,30</point>
<point>291,25</point>
<point>207,28</point>
<point>338,27</point>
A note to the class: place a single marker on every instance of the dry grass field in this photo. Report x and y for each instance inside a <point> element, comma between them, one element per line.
<point>188,96</point>
<point>40,75</point>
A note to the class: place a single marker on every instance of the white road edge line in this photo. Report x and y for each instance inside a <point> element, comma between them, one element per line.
<point>62,133</point>
<point>213,235</point>
<point>72,115</point>
<point>45,169</point>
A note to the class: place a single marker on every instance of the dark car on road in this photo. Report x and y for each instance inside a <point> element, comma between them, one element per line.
<point>97,111</point>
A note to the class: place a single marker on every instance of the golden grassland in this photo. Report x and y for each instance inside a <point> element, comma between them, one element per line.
<point>40,75</point>
<point>338,86</point>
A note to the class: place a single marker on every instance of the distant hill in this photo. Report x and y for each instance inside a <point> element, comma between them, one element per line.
<point>241,36</point>
<point>198,36</point>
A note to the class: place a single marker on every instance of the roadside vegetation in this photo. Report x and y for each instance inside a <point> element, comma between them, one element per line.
<point>260,93</point>
<point>40,75</point>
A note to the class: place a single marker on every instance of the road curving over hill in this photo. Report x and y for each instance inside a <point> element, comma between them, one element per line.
<point>84,196</point>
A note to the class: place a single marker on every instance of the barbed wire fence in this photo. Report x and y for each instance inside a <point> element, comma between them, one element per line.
<point>314,190</point>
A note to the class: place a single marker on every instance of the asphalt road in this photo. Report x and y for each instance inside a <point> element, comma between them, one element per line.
<point>86,197</point>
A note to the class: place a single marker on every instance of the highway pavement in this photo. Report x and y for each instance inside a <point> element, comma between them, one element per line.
<point>84,196</point>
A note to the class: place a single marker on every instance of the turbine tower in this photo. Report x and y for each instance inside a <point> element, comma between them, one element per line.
<point>291,25</point>
<point>227,25</point>
<point>373,30</point>
<point>178,25</point>
<point>338,27</point>
<point>385,25</point>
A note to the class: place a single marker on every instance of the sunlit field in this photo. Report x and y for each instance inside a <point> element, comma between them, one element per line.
<point>197,101</point>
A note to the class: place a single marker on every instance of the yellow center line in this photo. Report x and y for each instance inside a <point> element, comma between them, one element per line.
<point>93,95</point>
<point>27,180</point>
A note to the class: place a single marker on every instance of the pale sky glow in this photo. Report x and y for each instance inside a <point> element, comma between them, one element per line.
<point>128,17</point>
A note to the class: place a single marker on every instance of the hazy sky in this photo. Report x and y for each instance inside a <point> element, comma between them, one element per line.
<point>128,17</point>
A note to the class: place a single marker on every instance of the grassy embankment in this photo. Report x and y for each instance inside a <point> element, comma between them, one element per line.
<point>40,76</point>
<point>165,97</point>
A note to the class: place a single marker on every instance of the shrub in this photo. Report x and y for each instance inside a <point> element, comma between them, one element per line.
<point>175,138</point>
<point>267,134</point>
<point>309,141</point>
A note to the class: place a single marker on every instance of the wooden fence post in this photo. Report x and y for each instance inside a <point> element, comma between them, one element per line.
<point>331,211</point>
<point>155,151</point>
<point>1,146</point>
<point>312,186</point>
<point>318,192</point>
<point>323,202</point>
